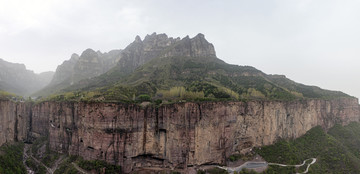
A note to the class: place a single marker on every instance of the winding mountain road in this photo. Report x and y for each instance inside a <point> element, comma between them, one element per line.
<point>307,168</point>
<point>254,165</point>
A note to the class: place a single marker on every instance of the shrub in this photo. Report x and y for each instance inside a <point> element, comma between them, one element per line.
<point>144,97</point>
<point>11,158</point>
<point>99,166</point>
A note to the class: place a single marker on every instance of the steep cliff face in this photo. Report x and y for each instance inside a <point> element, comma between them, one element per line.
<point>174,136</point>
<point>184,134</point>
<point>14,121</point>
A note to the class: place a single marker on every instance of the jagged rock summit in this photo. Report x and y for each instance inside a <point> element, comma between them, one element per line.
<point>90,64</point>
<point>160,45</point>
<point>159,63</point>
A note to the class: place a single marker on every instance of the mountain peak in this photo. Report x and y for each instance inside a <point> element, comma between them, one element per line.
<point>200,35</point>
<point>153,38</point>
<point>201,47</point>
<point>74,57</point>
<point>88,52</point>
<point>137,39</point>
<point>197,46</point>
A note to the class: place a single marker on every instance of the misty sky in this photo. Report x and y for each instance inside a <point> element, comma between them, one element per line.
<point>315,42</point>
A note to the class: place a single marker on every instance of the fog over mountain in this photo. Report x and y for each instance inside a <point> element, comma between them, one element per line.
<point>15,78</point>
<point>159,86</point>
<point>312,42</point>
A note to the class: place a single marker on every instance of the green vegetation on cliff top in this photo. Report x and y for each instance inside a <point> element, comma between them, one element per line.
<point>191,79</point>
<point>7,95</point>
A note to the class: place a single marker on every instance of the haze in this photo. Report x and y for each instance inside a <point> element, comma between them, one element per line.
<point>311,42</point>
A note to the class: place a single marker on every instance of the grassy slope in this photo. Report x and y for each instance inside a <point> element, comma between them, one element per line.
<point>337,151</point>
<point>212,76</point>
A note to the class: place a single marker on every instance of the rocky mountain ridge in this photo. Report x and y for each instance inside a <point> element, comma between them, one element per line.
<point>160,45</point>
<point>124,62</point>
<point>160,63</point>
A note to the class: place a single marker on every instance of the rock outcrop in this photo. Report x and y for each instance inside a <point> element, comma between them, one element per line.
<point>194,47</point>
<point>184,134</point>
<point>139,52</point>
<point>14,121</point>
<point>65,70</point>
<point>160,45</point>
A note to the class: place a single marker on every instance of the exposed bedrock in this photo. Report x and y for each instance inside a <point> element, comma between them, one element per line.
<point>14,121</point>
<point>175,135</point>
<point>183,134</point>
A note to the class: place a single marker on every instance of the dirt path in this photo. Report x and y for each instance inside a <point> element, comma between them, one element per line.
<point>57,162</point>
<point>79,168</point>
<point>27,148</point>
<point>39,162</point>
<point>25,157</point>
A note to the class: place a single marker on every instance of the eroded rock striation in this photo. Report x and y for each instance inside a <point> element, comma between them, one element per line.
<point>173,136</point>
<point>160,45</point>
<point>15,120</point>
<point>178,135</point>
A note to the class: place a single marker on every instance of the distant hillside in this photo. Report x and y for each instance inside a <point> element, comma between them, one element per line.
<point>15,78</point>
<point>161,67</point>
<point>89,64</point>
<point>337,151</point>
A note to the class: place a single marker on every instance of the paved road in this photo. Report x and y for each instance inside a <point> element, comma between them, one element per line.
<point>307,168</point>
<point>254,165</point>
<point>247,165</point>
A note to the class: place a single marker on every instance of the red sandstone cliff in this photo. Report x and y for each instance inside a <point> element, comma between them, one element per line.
<point>183,134</point>
<point>14,121</point>
<point>174,136</point>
